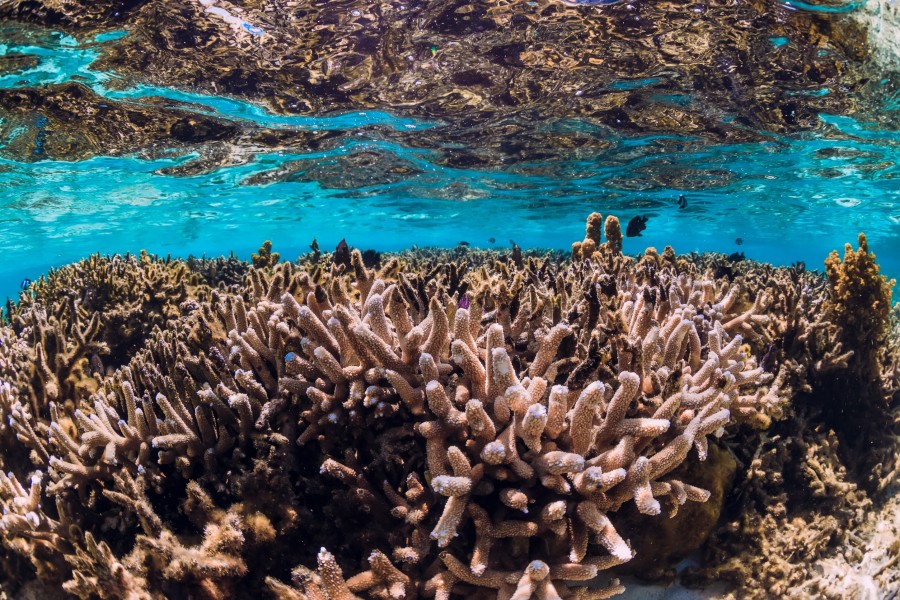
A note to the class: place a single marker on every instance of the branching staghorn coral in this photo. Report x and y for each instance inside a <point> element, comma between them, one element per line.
<point>264,257</point>
<point>77,317</point>
<point>454,433</point>
<point>812,479</point>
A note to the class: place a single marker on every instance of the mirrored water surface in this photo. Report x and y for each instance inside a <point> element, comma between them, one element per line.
<point>387,181</point>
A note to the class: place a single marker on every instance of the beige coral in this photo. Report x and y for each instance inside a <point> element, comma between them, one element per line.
<point>514,426</point>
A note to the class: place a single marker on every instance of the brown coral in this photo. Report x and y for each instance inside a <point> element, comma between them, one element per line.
<point>427,445</point>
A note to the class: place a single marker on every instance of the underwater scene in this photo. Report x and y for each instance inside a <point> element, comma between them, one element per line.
<point>491,299</point>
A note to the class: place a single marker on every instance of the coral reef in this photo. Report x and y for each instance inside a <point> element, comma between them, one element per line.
<point>264,257</point>
<point>492,429</point>
<point>822,475</point>
<point>80,321</point>
<point>861,303</point>
<point>228,271</point>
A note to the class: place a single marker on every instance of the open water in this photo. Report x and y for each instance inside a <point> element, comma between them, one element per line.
<point>782,199</point>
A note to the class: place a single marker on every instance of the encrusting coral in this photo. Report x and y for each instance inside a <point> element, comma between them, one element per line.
<point>334,432</point>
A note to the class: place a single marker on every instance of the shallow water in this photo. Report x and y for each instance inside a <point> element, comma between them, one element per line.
<point>767,129</point>
<point>786,198</point>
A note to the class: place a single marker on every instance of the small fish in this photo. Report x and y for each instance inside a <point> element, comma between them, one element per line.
<point>464,302</point>
<point>25,283</point>
<point>341,254</point>
<point>253,29</point>
<point>492,240</point>
<point>736,256</point>
<point>636,226</point>
<point>739,241</point>
<point>463,243</point>
<point>682,201</point>
<point>767,363</point>
<point>96,365</point>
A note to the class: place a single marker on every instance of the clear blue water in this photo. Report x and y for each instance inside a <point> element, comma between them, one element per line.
<point>788,198</point>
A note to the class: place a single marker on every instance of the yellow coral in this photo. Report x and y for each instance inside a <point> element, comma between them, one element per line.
<point>860,302</point>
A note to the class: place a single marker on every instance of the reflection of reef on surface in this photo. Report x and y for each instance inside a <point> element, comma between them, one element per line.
<point>722,71</point>
<point>71,122</point>
<point>452,424</point>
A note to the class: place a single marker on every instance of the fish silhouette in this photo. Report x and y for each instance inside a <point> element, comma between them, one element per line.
<point>96,365</point>
<point>636,226</point>
<point>492,240</point>
<point>767,362</point>
<point>341,254</point>
<point>682,201</point>
<point>463,243</point>
<point>739,241</point>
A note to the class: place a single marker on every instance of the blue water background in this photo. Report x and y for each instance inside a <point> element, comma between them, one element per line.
<point>785,199</point>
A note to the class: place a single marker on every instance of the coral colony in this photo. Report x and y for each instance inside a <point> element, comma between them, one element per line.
<point>475,428</point>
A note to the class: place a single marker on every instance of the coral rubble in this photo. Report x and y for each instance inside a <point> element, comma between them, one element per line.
<point>450,429</point>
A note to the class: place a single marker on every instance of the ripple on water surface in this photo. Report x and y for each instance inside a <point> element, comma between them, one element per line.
<point>389,182</point>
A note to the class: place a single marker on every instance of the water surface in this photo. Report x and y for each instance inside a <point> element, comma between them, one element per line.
<point>388,182</point>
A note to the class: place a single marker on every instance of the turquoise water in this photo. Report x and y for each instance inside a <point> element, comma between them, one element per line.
<point>787,198</point>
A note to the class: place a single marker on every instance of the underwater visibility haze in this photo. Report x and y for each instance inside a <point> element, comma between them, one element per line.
<point>539,276</point>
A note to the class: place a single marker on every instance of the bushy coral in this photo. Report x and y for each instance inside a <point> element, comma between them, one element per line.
<point>225,270</point>
<point>264,257</point>
<point>83,320</point>
<point>456,431</point>
<point>861,303</point>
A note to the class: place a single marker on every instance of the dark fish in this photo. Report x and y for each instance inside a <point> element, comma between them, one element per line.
<point>463,243</point>
<point>96,365</point>
<point>463,302</point>
<point>492,240</point>
<point>736,256</point>
<point>682,201</point>
<point>739,241</point>
<point>636,226</point>
<point>517,255</point>
<point>341,254</point>
<point>723,271</point>
<point>767,363</point>
<point>25,283</point>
